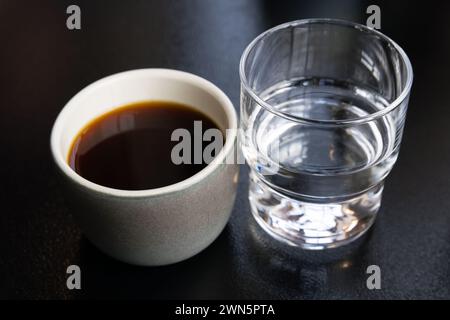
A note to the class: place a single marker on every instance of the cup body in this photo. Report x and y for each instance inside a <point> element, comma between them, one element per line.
<point>323,105</point>
<point>157,226</point>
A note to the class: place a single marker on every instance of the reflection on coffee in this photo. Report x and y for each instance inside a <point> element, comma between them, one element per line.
<point>130,147</point>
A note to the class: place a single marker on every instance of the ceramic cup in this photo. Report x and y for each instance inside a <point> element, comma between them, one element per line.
<point>156,226</point>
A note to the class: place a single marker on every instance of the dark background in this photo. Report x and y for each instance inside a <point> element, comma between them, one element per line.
<point>43,64</point>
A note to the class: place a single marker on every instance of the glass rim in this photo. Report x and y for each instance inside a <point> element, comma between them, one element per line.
<point>360,120</point>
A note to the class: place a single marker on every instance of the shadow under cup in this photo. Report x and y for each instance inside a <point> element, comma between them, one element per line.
<point>156,226</point>
<point>323,105</point>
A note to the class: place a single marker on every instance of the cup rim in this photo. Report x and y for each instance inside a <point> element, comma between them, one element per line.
<point>202,83</point>
<point>364,119</point>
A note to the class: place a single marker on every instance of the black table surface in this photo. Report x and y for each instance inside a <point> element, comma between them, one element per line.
<point>43,64</point>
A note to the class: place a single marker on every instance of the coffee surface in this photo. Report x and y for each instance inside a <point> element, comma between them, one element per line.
<point>130,147</point>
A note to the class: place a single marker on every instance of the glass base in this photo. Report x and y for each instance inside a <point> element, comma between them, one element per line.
<point>315,225</point>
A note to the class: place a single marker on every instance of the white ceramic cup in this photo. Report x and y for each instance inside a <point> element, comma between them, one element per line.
<point>156,226</point>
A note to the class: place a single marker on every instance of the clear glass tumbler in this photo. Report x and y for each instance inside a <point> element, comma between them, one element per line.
<point>323,105</point>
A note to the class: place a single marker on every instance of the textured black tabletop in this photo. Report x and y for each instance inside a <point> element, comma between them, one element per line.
<point>43,64</point>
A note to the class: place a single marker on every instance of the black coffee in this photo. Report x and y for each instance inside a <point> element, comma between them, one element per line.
<point>130,147</point>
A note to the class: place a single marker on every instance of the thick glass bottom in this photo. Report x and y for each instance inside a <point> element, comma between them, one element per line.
<point>313,223</point>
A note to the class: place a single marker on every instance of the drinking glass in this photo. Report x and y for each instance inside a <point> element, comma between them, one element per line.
<point>323,106</point>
